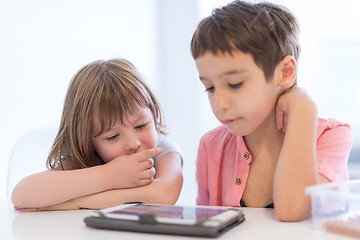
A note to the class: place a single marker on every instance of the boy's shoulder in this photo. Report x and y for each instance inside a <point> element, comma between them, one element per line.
<point>325,125</point>
<point>217,135</point>
<point>330,123</point>
<point>215,131</point>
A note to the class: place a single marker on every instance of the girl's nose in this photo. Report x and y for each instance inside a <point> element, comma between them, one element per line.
<point>132,143</point>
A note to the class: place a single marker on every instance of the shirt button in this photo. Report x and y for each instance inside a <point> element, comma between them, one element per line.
<point>238,181</point>
<point>246,155</point>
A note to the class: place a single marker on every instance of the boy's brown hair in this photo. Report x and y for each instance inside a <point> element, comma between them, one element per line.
<point>267,31</point>
<point>107,90</point>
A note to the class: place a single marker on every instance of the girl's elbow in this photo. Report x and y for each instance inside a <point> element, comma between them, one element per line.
<point>170,200</point>
<point>172,191</point>
<point>17,199</point>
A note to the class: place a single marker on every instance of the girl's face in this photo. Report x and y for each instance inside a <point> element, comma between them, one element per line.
<point>136,134</point>
<point>239,95</point>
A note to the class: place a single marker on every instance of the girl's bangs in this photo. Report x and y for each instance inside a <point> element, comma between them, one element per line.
<point>114,106</point>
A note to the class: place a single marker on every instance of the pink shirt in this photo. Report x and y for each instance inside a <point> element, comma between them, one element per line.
<point>223,161</point>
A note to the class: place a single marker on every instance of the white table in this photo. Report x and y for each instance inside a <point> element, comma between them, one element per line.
<point>260,223</point>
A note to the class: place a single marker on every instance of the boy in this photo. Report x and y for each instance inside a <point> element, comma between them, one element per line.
<point>272,145</point>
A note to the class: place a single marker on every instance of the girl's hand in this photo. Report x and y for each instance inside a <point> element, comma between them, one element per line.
<point>291,100</point>
<point>129,171</point>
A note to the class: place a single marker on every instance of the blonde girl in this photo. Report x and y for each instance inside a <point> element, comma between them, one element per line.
<point>109,143</point>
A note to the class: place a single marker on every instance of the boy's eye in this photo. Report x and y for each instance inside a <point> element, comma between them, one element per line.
<point>113,137</point>
<point>142,126</point>
<point>209,89</point>
<point>236,85</point>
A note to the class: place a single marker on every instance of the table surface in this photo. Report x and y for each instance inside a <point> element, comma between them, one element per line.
<point>260,223</point>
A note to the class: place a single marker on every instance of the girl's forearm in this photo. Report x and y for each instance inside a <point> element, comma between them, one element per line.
<point>296,168</point>
<point>92,188</point>
<point>165,188</point>
<point>54,187</point>
<point>158,192</point>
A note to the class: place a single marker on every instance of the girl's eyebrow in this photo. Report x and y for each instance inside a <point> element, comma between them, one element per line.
<point>104,132</point>
<point>142,116</point>
<point>137,118</point>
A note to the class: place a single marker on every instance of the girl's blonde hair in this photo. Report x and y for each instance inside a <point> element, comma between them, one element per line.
<point>108,90</point>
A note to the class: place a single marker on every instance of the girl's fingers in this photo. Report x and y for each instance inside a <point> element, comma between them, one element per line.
<point>146,154</point>
<point>145,181</point>
<point>148,174</point>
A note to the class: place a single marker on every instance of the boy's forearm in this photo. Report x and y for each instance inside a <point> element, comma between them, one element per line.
<point>296,167</point>
<point>54,187</point>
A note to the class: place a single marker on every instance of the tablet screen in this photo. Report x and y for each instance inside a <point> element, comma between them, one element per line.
<point>174,212</point>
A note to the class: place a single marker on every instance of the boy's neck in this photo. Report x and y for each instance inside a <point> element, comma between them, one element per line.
<point>265,135</point>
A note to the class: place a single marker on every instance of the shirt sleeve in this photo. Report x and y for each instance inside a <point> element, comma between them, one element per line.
<point>202,175</point>
<point>333,148</point>
<point>168,146</point>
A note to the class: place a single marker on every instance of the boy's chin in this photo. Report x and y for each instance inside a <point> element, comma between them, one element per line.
<point>237,131</point>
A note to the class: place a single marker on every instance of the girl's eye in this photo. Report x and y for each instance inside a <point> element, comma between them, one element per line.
<point>236,85</point>
<point>113,137</point>
<point>142,126</point>
<point>209,89</point>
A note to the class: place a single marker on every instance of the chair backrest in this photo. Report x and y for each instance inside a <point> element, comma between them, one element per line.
<point>29,155</point>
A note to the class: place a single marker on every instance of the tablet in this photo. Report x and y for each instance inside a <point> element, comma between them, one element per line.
<point>205,221</point>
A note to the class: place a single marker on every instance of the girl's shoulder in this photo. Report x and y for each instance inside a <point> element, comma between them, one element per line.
<point>168,146</point>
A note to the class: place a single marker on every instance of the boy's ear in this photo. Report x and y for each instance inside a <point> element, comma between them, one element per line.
<point>286,72</point>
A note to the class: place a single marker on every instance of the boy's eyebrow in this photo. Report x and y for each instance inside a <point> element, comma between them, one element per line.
<point>227,73</point>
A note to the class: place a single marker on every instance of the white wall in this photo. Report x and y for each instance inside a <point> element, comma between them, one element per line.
<point>43,43</point>
<point>180,85</point>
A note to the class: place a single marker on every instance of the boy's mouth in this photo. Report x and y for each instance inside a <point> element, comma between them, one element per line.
<point>227,121</point>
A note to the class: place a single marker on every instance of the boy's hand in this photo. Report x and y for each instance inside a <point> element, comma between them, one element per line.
<point>129,171</point>
<point>293,99</point>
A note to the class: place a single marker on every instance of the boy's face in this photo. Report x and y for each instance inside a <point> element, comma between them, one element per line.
<point>239,95</point>
<point>136,134</point>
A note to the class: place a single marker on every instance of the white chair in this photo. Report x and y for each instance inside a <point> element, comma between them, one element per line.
<point>29,156</point>
<point>354,163</point>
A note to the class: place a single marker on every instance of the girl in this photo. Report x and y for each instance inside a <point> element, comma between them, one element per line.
<point>109,143</point>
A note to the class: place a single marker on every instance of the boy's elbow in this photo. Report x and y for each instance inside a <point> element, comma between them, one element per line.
<point>291,213</point>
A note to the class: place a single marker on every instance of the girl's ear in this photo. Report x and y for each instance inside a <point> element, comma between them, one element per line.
<point>286,72</point>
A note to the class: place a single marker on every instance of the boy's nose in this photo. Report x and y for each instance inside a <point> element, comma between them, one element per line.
<point>221,100</point>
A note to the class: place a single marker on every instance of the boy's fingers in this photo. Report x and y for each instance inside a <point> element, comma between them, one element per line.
<point>285,122</point>
<point>279,119</point>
